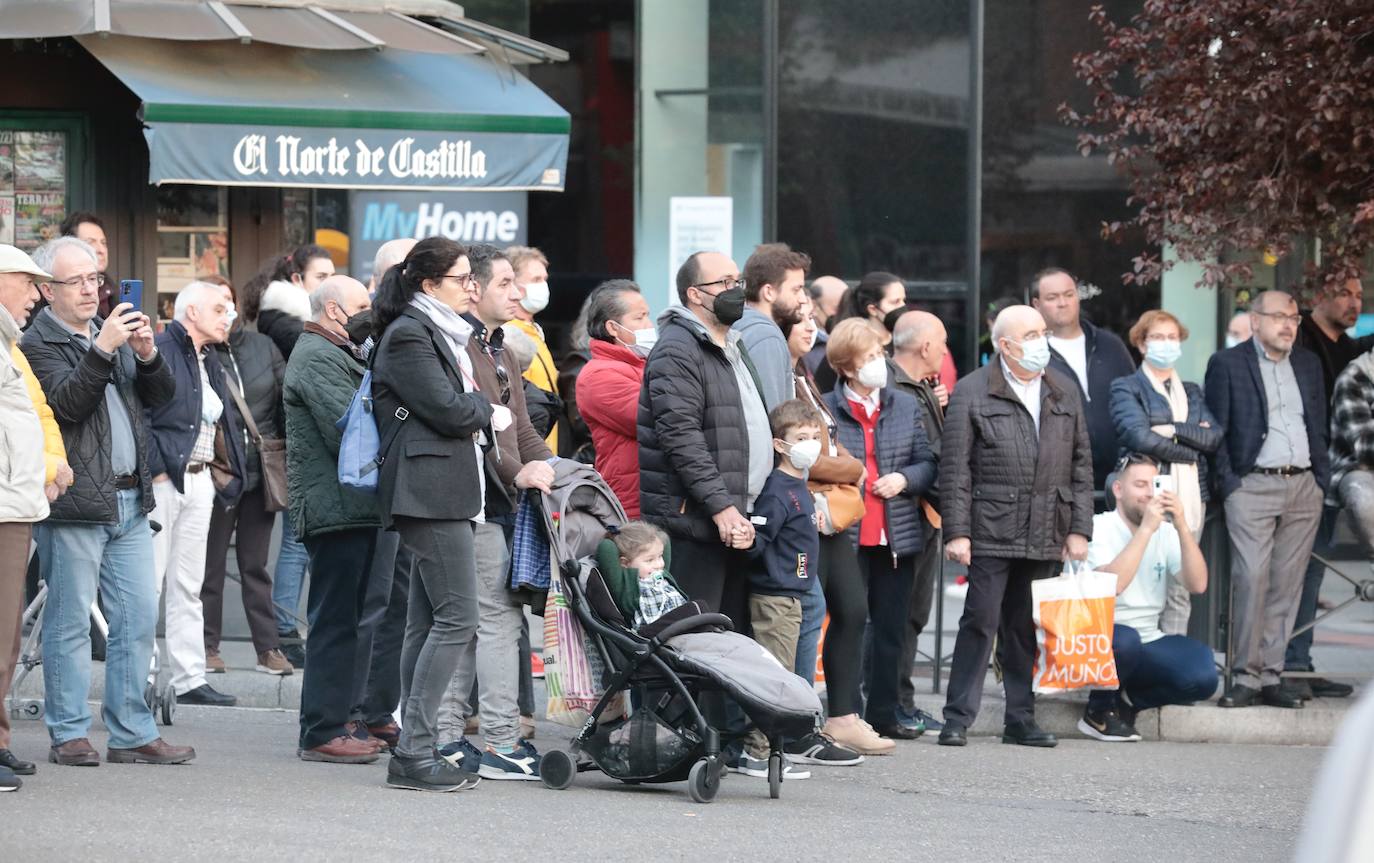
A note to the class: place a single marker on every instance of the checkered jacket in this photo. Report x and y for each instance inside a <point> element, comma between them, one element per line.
<point>1352,426</point>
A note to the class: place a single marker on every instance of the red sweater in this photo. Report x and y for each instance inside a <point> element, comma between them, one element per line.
<point>608,399</point>
<point>874,522</point>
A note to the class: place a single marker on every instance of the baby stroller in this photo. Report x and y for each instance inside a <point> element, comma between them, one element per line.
<point>665,737</point>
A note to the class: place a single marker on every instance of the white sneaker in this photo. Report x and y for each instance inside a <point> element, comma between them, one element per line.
<point>758,768</point>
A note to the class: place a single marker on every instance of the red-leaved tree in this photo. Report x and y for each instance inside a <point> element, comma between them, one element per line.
<point>1242,124</point>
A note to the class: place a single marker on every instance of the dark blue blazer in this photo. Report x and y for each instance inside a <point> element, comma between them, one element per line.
<point>1137,407</point>
<point>1235,393</point>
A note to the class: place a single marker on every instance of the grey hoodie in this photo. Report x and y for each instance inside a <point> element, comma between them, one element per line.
<point>768,349</point>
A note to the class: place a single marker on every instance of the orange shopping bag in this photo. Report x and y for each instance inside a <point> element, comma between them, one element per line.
<point>1074,613</point>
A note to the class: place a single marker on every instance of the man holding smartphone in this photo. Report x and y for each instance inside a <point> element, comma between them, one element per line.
<point>98,375</point>
<point>1138,543</point>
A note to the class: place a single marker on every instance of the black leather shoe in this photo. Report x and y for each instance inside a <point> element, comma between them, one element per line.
<point>1299,686</point>
<point>1239,695</point>
<point>897,731</point>
<point>206,696</point>
<point>22,768</point>
<point>1028,734</point>
<point>1323,688</point>
<point>1280,696</point>
<point>953,734</point>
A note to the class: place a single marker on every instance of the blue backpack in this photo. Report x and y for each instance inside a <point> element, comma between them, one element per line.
<point>361,449</point>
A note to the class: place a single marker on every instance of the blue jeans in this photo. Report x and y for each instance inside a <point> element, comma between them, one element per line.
<point>292,559</point>
<point>813,615</point>
<point>1174,669</point>
<point>118,559</point>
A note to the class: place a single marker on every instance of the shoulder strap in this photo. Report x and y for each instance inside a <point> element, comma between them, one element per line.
<point>243,409</point>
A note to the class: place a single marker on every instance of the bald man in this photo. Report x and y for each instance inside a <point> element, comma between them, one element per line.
<point>919,348</point>
<point>1016,498</point>
<point>339,527</point>
<point>389,254</point>
<point>825,293</point>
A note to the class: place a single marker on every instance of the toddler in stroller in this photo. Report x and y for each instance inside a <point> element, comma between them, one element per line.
<point>667,663</point>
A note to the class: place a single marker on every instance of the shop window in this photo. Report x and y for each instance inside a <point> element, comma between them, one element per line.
<point>192,239</point>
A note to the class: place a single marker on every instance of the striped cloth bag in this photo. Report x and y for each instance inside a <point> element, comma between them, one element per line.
<point>572,671</point>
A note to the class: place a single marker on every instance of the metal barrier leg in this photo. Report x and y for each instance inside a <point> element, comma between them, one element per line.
<point>939,659</point>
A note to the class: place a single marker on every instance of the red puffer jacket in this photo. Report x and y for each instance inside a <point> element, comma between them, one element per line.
<point>608,399</point>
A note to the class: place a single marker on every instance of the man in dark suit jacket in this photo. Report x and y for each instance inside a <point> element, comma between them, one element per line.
<point>1272,471</point>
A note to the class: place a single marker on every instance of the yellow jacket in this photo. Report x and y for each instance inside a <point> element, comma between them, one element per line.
<point>54,452</point>
<point>542,372</point>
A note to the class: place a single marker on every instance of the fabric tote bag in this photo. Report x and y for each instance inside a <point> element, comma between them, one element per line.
<point>1074,614</point>
<point>572,672</point>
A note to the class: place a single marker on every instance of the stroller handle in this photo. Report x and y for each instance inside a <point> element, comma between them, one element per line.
<point>688,624</point>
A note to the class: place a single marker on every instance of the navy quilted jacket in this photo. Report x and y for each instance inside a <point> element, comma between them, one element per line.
<point>902,448</point>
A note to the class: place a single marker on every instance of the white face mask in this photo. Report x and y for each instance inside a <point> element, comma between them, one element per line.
<point>873,373</point>
<point>1035,354</point>
<point>1231,341</point>
<point>536,297</point>
<point>644,339</point>
<point>803,454</point>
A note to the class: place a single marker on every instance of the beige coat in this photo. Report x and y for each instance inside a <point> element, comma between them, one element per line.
<point>22,465</point>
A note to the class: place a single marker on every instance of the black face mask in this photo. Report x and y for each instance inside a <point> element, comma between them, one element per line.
<point>359,326</point>
<point>728,306</point>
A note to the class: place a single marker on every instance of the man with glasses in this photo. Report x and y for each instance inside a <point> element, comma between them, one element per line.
<point>99,376</point>
<point>519,460</point>
<point>1272,470</point>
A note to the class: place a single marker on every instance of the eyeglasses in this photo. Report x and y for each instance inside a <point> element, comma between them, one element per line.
<point>1163,337</point>
<point>464,279</point>
<point>730,282</point>
<point>1281,318</point>
<point>492,350</point>
<point>95,280</point>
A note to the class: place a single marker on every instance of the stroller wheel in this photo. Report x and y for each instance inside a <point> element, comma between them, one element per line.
<point>775,775</point>
<point>167,700</point>
<point>557,769</point>
<point>150,696</point>
<point>703,782</point>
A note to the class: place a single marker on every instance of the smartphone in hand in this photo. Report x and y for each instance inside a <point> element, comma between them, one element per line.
<point>131,291</point>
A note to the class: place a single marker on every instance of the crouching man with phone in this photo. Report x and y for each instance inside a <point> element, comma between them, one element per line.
<point>1137,542</point>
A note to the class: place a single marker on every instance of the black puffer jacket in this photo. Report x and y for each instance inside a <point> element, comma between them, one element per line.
<point>1013,495</point>
<point>74,380</point>
<point>693,444</point>
<point>256,367</point>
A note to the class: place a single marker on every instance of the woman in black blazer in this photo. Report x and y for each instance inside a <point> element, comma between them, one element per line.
<point>430,488</point>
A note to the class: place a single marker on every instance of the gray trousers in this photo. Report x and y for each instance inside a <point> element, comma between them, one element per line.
<point>492,658</point>
<point>1272,521</point>
<point>441,622</point>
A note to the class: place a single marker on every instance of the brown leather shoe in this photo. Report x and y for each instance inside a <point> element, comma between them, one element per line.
<point>157,752</point>
<point>357,729</point>
<point>341,750</point>
<point>75,753</point>
<point>389,733</point>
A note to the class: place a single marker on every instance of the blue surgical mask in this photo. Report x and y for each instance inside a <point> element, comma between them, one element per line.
<point>1035,354</point>
<point>1163,354</point>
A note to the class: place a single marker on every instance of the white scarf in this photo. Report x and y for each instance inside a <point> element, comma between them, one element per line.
<point>1185,473</point>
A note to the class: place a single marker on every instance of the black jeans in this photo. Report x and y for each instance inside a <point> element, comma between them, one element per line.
<point>381,632</point>
<point>889,594</point>
<point>714,575</point>
<point>340,563</point>
<point>846,599</point>
<point>440,622</point>
<point>998,603</point>
<point>928,564</point>
<point>253,524</point>
<point>1298,657</point>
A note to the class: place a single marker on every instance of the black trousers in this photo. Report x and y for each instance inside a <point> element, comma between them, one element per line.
<point>714,575</point>
<point>918,611</point>
<point>254,525</point>
<point>889,594</point>
<point>846,600</point>
<point>998,603</point>
<point>340,564</point>
<point>381,632</point>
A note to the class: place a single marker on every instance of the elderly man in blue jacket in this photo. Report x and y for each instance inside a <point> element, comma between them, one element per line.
<point>1272,471</point>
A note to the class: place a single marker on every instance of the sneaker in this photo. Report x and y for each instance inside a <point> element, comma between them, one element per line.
<point>858,736</point>
<point>294,651</point>
<point>1108,726</point>
<point>462,754</point>
<point>427,773</point>
<point>816,748</point>
<point>8,781</point>
<point>213,663</point>
<point>274,662</point>
<point>536,666</point>
<point>758,768</point>
<point>522,763</point>
<point>918,719</point>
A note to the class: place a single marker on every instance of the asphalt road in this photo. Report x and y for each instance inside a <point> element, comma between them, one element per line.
<point>248,798</point>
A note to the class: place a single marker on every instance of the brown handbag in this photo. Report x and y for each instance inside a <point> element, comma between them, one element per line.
<point>845,501</point>
<point>271,453</point>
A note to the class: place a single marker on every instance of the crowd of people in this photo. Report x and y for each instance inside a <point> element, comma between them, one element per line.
<point>805,446</point>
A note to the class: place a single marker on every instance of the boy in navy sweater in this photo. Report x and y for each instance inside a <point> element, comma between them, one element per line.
<point>786,549</point>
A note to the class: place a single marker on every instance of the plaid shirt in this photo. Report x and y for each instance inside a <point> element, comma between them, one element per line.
<point>1352,427</point>
<point>531,560</point>
<point>203,451</point>
<point>656,598</point>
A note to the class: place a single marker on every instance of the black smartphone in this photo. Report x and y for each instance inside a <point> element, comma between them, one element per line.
<point>131,291</point>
